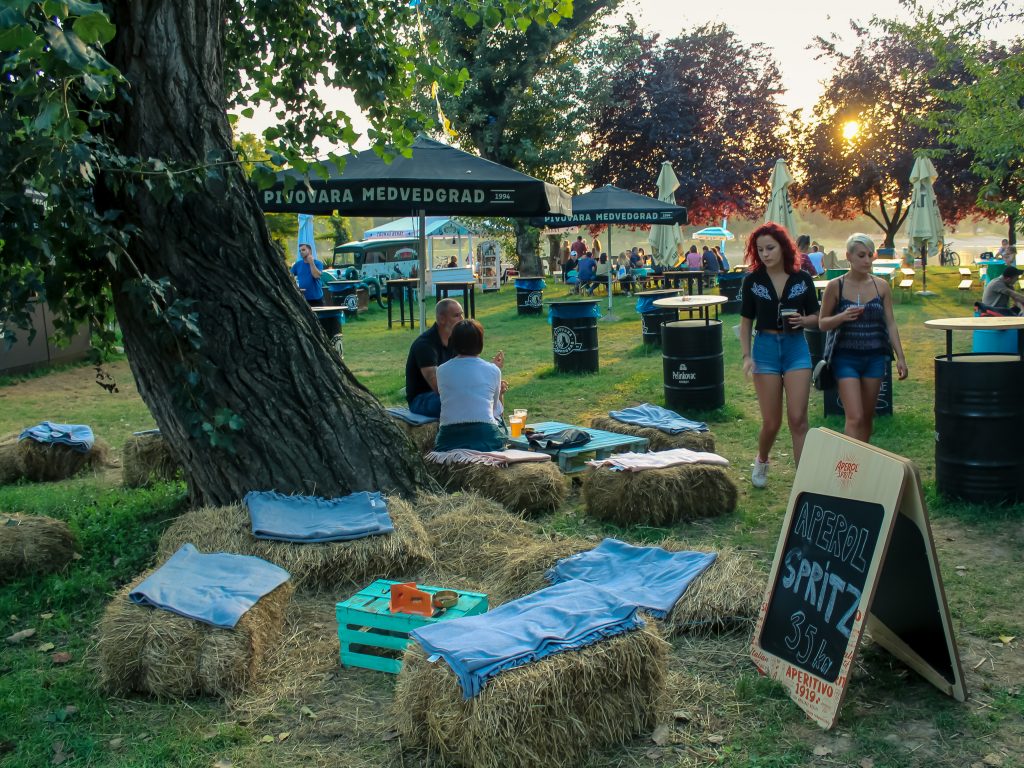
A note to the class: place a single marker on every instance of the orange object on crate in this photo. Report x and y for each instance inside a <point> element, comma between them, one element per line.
<point>406,598</point>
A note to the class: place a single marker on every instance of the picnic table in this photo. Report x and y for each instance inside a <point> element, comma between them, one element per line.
<point>574,460</point>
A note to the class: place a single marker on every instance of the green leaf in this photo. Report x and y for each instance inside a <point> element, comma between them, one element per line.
<point>94,28</point>
<point>553,19</point>
<point>471,19</point>
<point>44,120</point>
<point>69,48</point>
<point>15,38</point>
<point>492,16</point>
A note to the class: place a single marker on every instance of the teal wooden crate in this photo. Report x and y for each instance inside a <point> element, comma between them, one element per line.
<point>573,460</point>
<point>372,637</point>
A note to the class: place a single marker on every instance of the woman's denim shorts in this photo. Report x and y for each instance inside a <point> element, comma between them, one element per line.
<point>858,366</point>
<point>778,353</point>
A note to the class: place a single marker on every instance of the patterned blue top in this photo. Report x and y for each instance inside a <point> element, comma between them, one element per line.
<point>868,334</point>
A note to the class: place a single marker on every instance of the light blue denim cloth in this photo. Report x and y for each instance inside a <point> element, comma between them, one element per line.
<point>648,415</point>
<point>561,618</point>
<point>312,519</point>
<point>77,436</point>
<point>651,578</point>
<point>216,588</point>
<point>409,417</point>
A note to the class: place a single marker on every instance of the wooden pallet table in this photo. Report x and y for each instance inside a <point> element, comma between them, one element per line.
<point>573,460</point>
<point>372,637</point>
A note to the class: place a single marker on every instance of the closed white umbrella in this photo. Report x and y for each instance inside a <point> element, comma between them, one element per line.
<point>924,224</point>
<point>780,210</point>
<point>666,239</point>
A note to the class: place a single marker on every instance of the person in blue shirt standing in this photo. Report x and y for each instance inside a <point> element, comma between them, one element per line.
<point>307,270</point>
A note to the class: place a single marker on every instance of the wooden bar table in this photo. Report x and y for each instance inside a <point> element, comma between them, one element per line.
<point>466,287</point>
<point>977,410</point>
<point>403,288</point>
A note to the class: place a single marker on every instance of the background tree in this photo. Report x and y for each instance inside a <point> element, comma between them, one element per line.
<point>529,97</point>
<point>705,101</point>
<point>116,121</point>
<point>857,151</point>
<point>983,116</point>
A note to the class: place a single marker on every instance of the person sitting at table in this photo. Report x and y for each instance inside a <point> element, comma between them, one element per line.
<point>711,267</point>
<point>471,392</point>
<point>429,351</point>
<point>817,257</point>
<point>307,271</point>
<point>693,259</point>
<point>603,267</point>
<point>453,262</point>
<point>803,247</point>
<point>998,293</point>
<point>1007,252</point>
<point>587,271</point>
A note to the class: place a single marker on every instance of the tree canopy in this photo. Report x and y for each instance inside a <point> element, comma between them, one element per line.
<point>706,102</point>
<point>858,148</point>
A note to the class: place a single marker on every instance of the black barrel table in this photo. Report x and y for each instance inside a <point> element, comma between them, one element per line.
<point>574,335</point>
<point>978,411</point>
<point>652,317</point>
<point>529,294</point>
<point>692,360</point>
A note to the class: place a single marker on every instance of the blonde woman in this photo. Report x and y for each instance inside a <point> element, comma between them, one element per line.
<point>860,306</point>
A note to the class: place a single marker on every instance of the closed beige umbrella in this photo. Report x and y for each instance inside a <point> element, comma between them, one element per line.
<point>780,210</point>
<point>666,239</point>
<point>924,224</point>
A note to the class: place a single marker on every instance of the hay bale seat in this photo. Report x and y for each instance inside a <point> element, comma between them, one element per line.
<point>554,712</point>
<point>338,565</point>
<point>659,441</point>
<point>422,435</point>
<point>33,544</point>
<point>148,459</point>
<point>724,598</point>
<point>153,651</point>
<point>527,488</point>
<point>659,497</point>
<point>47,462</point>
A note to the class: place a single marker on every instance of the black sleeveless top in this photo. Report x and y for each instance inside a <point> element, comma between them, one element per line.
<point>868,334</point>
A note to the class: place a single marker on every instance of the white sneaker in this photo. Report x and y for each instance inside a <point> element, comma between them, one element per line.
<point>759,475</point>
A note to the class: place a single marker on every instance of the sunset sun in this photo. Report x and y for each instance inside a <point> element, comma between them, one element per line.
<point>850,130</point>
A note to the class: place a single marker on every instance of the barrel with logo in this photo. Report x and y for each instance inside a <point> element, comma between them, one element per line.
<point>693,365</point>
<point>978,413</point>
<point>574,335</point>
<point>529,295</point>
<point>729,286</point>
<point>652,317</point>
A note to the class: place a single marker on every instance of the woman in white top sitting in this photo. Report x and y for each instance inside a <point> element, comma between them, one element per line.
<point>471,393</point>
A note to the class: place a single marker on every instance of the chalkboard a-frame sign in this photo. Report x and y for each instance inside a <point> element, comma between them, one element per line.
<point>855,555</point>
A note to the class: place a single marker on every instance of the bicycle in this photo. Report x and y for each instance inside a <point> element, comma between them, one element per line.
<point>948,257</point>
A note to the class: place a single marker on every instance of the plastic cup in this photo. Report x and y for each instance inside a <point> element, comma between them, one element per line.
<point>515,426</point>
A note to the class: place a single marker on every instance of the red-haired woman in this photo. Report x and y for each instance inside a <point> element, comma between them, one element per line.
<point>778,302</point>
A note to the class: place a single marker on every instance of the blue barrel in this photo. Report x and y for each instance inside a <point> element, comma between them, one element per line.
<point>652,317</point>
<point>574,336</point>
<point>978,412</point>
<point>529,295</point>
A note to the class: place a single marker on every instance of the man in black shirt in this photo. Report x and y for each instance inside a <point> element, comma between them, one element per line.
<point>426,353</point>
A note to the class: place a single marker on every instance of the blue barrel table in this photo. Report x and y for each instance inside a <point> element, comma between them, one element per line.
<point>977,410</point>
<point>652,317</point>
<point>574,335</point>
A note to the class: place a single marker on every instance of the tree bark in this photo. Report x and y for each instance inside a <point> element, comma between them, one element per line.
<point>1012,224</point>
<point>309,425</point>
<point>527,239</point>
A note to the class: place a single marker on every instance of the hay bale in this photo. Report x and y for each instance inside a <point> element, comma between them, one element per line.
<point>33,544</point>
<point>422,435</point>
<point>659,497</point>
<point>430,505</point>
<point>528,488</point>
<point>148,459</point>
<point>659,441</point>
<point>725,597</point>
<point>332,565</point>
<point>46,462</point>
<point>9,469</point>
<point>169,656</point>
<point>552,712</point>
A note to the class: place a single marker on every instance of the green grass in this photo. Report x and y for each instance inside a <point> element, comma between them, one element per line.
<point>887,709</point>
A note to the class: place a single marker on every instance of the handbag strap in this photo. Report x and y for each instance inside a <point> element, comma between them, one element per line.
<point>832,336</point>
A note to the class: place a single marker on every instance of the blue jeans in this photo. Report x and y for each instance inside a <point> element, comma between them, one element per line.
<point>426,404</point>
<point>858,366</point>
<point>779,353</point>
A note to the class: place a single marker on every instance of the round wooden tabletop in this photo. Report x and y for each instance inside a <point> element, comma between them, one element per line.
<point>686,302</point>
<point>976,323</point>
<point>660,292</point>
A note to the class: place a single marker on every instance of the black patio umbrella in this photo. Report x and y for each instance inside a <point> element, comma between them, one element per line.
<point>437,180</point>
<point>611,205</point>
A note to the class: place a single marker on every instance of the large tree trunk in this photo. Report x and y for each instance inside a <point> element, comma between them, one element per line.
<point>309,425</point>
<point>527,240</point>
<point>1012,224</point>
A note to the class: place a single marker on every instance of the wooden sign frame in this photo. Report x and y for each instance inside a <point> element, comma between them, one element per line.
<point>821,557</point>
